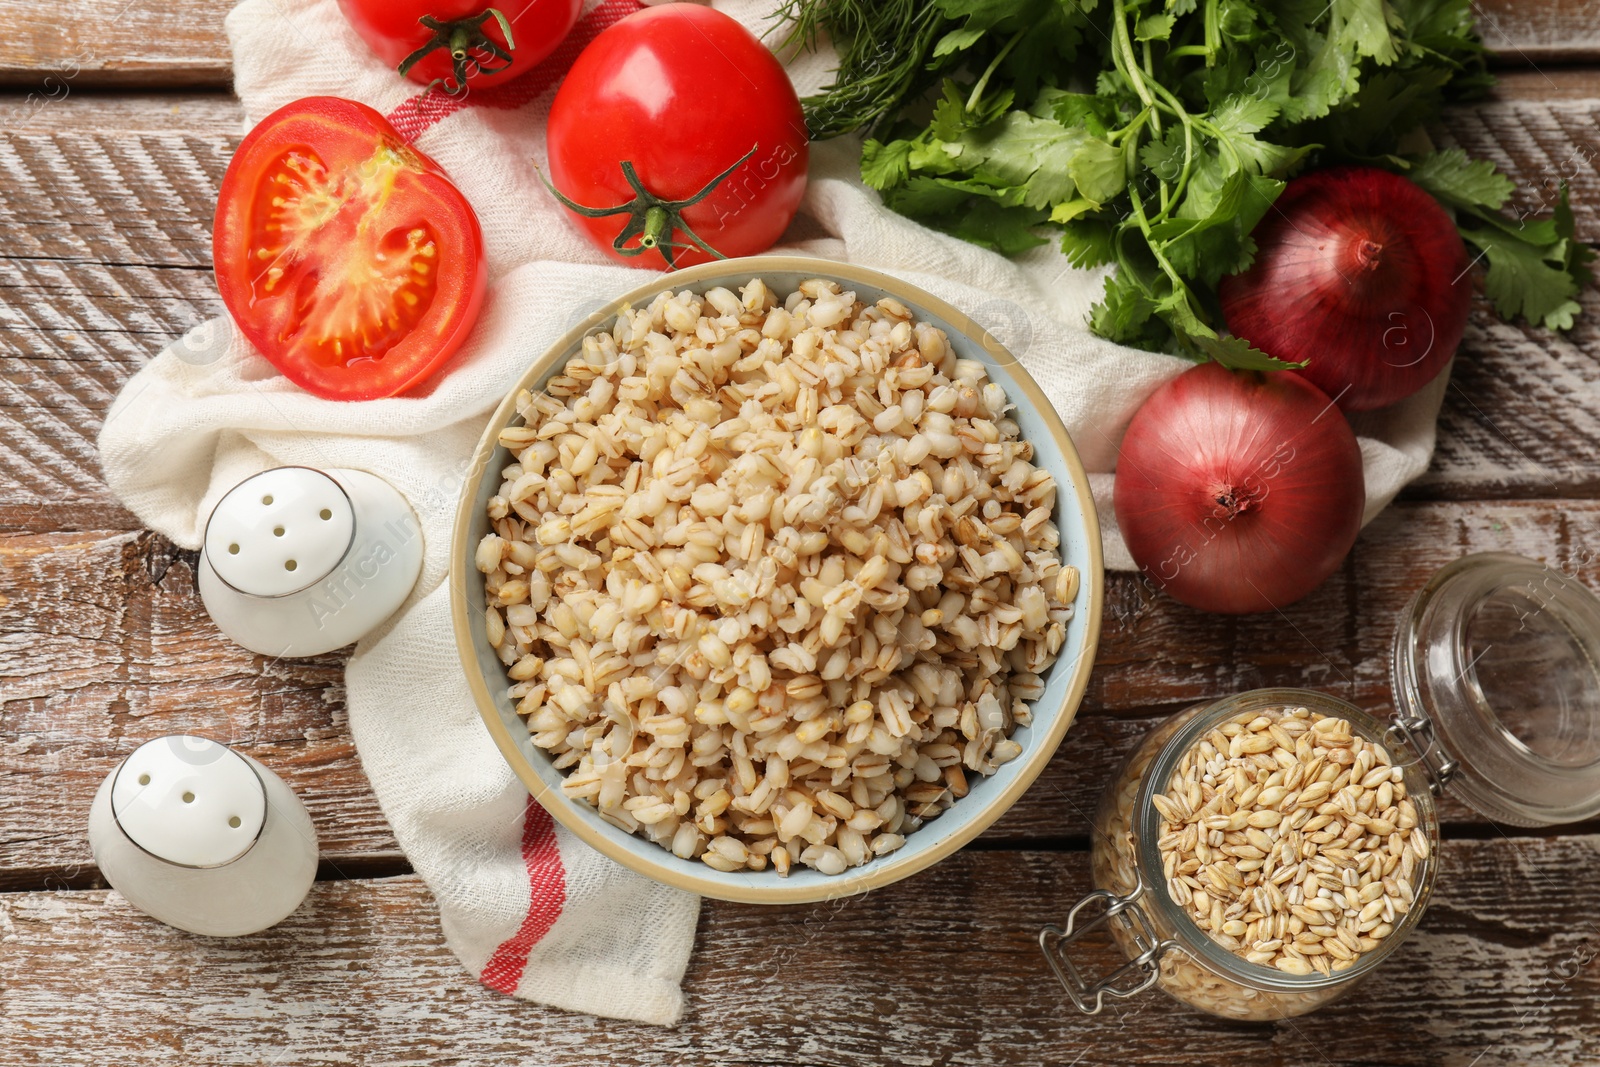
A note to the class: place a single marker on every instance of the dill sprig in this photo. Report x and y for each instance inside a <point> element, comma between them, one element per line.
<point>885,48</point>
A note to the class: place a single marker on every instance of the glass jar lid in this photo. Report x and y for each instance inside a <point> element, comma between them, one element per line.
<point>1496,674</point>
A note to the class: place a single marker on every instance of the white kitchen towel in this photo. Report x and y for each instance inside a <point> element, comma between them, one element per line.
<point>528,908</point>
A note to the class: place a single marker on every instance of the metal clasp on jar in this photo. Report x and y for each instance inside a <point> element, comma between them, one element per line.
<point>1135,976</point>
<point>1416,734</point>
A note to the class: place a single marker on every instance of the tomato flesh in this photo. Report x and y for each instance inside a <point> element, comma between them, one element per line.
<point>346,256</point>
<point>357,284</point>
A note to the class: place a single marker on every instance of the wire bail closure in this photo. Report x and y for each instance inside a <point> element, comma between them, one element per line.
<point>1416,734</point>
<point>1141,969</point>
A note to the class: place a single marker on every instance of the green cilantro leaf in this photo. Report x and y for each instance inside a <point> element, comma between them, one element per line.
<point>884,166</point>
<point>1535,267</point>
<point>1365,28</point>
<point>958,40</point>
<point>1008,231</point>
<point>1153,28</point>
<point>1097,170</point>
<point>1088,242</point>
<point>1126,310</point>
<point>1164,158</point>
<point>1579,255</point>
<point>1461,182</point>
<point>1094,113</point>
<point>1238,119</point>
<point>1527,279</point>
<point>1239,354</point>
<point>925,198</point>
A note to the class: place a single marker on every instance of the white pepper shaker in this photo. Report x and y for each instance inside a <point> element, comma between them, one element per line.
<point>203,838</point>
<point>299,561</point>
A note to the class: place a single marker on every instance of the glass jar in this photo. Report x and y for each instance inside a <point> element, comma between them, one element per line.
<point>1497,698</point>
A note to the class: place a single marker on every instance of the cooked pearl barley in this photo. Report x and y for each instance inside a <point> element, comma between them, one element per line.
<point>771,577</point>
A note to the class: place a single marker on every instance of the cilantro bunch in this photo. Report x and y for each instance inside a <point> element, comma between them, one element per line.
<point>1155,134</point>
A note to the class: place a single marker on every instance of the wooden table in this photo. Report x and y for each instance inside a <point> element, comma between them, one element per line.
<point>116,124</point>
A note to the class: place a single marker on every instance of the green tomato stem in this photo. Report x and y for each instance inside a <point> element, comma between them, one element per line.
<point>656,219</point>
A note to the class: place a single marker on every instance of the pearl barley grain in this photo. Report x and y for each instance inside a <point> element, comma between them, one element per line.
<point>771,576</point>
<point>1281,836</point>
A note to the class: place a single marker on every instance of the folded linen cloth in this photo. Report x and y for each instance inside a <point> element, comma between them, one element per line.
<point>530,910</point>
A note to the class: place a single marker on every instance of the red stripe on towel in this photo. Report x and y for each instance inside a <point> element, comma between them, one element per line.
<point>420,112</point>
<point>547,895</point>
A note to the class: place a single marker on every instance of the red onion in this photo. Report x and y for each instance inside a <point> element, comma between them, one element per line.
<point>1360,273</point>
<point>1239,492</point>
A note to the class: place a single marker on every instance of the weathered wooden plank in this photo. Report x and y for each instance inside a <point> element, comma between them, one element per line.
<point>106,223</point>
<point>105,228</point>
<point>1523,412</point>
<point>943,968</point>
<point>76,44</point>
<point>58,48</point>
<point>104,643</point>
<point>1534,32</point>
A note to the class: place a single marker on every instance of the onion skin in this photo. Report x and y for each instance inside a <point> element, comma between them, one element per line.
<point>1239,492</point>
<point>1361,274</point>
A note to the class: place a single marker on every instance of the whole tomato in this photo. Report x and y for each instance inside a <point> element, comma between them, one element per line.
<point>677,138</point>
<point>453,42</point>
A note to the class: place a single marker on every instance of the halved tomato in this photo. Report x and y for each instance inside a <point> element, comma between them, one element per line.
<point>344,254</point>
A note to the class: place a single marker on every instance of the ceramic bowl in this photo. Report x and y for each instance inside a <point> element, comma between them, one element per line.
<point>989,797</point>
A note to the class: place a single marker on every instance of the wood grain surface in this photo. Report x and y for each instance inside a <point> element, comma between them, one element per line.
<point>943,968</point>
<point>79,44</point>
<point>108,223</point>
<point>114,135</point>
<point>108,664</point>
<point>66,45</point>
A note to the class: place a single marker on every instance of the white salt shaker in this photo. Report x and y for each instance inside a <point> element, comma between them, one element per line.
<point>203,838</point>
<point>298,561</point>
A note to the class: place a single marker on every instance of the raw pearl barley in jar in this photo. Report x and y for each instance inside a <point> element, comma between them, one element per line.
<point>1240,840</point>
<point>1338,803</point>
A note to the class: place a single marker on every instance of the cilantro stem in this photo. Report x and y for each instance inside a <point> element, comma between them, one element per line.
<point>1124,57</point>
<point>1189,122</point>
<point>1130,147</point>
<point>1128,64</point>
<point>1213,34</point>
<point>983,82</point>
<point>1180,289</point>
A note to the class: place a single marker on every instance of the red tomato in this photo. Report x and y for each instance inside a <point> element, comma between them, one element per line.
<point>673,97</point>
<point>467,40</point>
<point>345,255</point>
